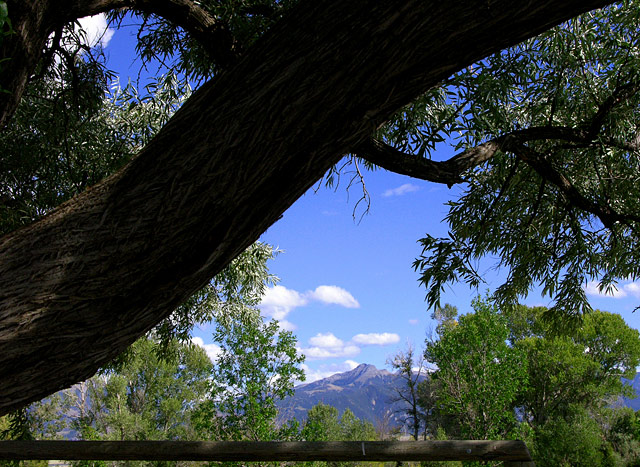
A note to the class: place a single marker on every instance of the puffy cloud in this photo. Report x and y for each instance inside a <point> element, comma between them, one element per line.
<point>333,295</point>
<point>331,352</point>
<point>373,338</point>
<point>212,349</point>
<point>327,340</point>
<point>96,29</point>
<point>278,301</point>
<point>350,364</point>
<point>329,346</point>
<point>324,371</point>
<point>633,288</point>
<point>592,288</point>
<point>287,325</point>
<point>619,291</point>
<point>401,190</point>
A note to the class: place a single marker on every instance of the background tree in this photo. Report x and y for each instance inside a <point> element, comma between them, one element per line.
<point>410,370</point>
<point>574,380</point>
<point>585,368</point>
<point>623,434</point>
<point>575,440</point>
<point>257,366</point>
<point>565,390</point>
<point>147,235</point>
<point>147,398</point>
<point>478,374</point>
<point>40,420</point>
<point>324,423</point>
<point>445,316</point>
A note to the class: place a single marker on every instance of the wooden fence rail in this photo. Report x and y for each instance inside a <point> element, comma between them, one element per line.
<point>512,453</point>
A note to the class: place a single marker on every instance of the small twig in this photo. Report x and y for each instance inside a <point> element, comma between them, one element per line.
<point>365,194</point>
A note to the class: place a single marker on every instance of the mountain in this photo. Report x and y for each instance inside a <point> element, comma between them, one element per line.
<point>365,390</point>
<point>369,394</point>
<point>635,384</point>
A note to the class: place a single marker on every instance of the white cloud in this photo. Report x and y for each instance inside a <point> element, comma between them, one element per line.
<point>97,30</point>
<point>331,352</point>
<point>324,371</point>
<point>633,288</point>
<point>287,325</point>
<point>278,301</point>
<point>331,294</point>
<point>619,291</point>
<point>373,338</point>
<point>212,349</point>
<point>327,340</point>
<point>351,364</point>
<point>401,190</point>
<point>329,346</point>
<point>414,321</point>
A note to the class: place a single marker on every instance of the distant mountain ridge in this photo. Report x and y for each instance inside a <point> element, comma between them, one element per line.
<point>367,391</point>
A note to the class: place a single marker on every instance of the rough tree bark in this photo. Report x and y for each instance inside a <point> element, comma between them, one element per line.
<point>79,286</point>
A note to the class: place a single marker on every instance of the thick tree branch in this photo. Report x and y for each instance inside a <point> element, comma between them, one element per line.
<point>79,286</point>
<point>34,20</point>
<point>607,215</point>
<point>211,33</point>
<point>618,96</point>
<point>451,170</point>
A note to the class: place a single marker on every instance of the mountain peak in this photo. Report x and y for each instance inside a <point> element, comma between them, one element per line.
<point>364,369</point>
<point>362,374</point>
<point>365,390</point>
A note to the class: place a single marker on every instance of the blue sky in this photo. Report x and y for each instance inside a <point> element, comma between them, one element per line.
<point>347,289</point>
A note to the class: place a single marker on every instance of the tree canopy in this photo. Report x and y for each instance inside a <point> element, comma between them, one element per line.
<point>555,118</point>
<point>478,373</point>
<point>505,374</point>
<point>288,89</point>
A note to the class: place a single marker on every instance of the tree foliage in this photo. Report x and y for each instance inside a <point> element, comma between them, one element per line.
<point>175,392</point>
<point>478,374</point>
<point>303,87</point>
<point>548,134</point>
<point>182,50</point>
<point>324,423</point>
<point>584,368</point>
<point>257,366</point>
<point>148,398</point>
<point>410,370</point>
<point>67,135</point>
<point>511,374</point>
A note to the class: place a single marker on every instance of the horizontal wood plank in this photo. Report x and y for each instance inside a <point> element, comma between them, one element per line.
<point>266,451</point>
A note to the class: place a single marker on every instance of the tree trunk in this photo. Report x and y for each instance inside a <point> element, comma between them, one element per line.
<point>83,283</point>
